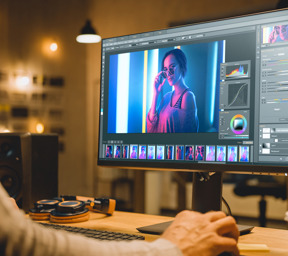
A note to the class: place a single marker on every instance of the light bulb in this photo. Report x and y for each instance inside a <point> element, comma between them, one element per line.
<point>39,127</point>
<point>54,47</point>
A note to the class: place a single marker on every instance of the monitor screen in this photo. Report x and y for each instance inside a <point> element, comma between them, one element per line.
<point>208,96</point>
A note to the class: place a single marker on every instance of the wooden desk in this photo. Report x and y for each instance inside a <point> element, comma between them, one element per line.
<point>275,239</point>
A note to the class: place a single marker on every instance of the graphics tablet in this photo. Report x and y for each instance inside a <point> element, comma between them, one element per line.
<point>158,229</point>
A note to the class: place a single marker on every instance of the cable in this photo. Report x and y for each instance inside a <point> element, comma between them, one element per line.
<point>227,206</point>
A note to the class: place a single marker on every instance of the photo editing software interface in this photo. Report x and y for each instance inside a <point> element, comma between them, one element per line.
<point>214,93</point>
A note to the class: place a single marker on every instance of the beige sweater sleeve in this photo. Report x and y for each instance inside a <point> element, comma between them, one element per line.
<point>22,237</point>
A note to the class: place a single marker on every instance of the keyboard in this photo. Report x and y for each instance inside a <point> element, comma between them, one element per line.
<point>96,234</point>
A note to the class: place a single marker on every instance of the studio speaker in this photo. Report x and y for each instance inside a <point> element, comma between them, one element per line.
<point>29,167</point>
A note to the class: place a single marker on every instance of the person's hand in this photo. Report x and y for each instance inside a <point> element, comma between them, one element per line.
<point>14,203</point>
<point>206,234</point>
<point>158,84</point>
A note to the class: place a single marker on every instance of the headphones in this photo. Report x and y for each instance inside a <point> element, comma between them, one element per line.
<point>70,209</point>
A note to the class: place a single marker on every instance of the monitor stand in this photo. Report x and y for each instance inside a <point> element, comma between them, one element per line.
<point>207,196</point>
<point>207,191</point>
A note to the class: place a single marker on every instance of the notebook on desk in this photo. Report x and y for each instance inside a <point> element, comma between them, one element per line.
<point>158,229</point>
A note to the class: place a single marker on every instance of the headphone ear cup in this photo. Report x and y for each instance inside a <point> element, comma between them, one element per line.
<point>42,209</point>
<point>69,212</point>
<point>39,216</point>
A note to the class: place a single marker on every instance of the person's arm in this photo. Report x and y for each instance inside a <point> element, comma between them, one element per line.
<point>22,237</point>
<point>191,233</point>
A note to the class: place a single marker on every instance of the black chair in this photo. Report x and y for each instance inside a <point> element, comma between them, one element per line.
<point>261,187</point>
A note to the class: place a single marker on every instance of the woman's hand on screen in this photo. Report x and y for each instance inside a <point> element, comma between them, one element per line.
<point>159,82</point>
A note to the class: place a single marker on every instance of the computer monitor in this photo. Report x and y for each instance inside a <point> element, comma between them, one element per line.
<point>208,97</point>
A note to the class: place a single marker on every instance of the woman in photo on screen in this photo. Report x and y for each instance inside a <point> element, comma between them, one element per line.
<point>108,151</point>
<point>169,152</point>
<point>118,152</point>
<point>134,152</point>
<point>278,34</point>
<point>179,153</point>
<point>211,154</point>
<point>177,111</point>
<point>125,151</point>
<point>199,154</point>
<point>142,154</point>
<point>151,154</point>
<point>221,154</point>
<point>244,154</point>
<point>232,156</point>
<point>160,153</point>
<point>189,153</point>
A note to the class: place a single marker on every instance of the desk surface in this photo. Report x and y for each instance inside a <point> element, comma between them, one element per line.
<point>275,239</point>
